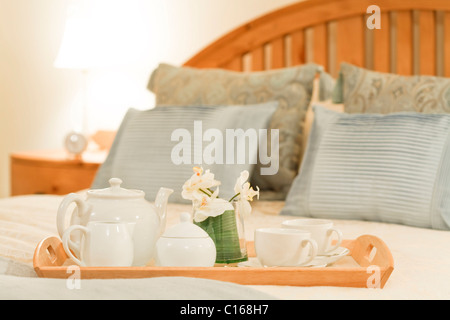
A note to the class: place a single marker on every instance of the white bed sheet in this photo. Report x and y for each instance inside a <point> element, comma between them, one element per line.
<point>421,256</point>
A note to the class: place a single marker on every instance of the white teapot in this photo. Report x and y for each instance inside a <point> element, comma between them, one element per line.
<point>118,204</point>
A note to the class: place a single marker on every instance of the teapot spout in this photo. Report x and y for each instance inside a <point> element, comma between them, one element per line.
<point>161,207</point>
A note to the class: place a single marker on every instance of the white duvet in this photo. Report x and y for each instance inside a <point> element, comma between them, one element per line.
<point>421,261</point>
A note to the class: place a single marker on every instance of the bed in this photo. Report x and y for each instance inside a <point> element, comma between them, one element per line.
<point>413,40</point>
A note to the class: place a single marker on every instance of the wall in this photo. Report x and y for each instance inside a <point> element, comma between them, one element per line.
<point>38,102</point>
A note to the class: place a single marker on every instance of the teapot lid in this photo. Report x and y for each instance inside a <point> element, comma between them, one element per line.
<point>185,229</point>
<point>115,191</point>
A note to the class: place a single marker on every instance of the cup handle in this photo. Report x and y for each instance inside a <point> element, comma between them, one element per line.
<point>66,239</point>
<point>76,219</point>
<point>339,241</point>
<point>312,251</point>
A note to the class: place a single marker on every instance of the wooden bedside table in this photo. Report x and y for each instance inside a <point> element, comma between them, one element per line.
<point>53,172</point>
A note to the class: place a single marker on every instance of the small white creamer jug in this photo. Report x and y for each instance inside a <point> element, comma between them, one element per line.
<point>103,244</point>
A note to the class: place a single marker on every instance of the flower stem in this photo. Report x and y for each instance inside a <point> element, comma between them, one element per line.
<point>201,190</point>
<point>234,197</point>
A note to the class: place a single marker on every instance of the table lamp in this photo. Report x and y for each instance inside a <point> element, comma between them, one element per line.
<point>76,52</point>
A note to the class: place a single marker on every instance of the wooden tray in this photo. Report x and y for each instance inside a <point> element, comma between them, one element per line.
<point>369,264</point>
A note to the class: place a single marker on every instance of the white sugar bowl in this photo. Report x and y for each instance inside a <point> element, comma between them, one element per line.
<point>185,245</point>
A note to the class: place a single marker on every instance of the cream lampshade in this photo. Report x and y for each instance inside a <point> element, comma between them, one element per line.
<point>76,52</point>
<point>76,45</point>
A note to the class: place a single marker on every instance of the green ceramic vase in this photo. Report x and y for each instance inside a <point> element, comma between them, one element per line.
<point>227,232</point>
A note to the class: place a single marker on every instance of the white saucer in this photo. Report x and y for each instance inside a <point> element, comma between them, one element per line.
<point>254,263</point>
<point>317,262</point>
<point>331,257</point>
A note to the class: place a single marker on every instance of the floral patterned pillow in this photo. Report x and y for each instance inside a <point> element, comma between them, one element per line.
<point>366,91</point>
<point>291,87</point>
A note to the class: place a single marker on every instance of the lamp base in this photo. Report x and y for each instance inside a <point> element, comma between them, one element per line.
<point>75,144</point>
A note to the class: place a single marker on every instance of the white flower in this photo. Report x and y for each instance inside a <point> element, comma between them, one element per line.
<point>244,194</point>
<point>195,188</point>
<point>211,207</point>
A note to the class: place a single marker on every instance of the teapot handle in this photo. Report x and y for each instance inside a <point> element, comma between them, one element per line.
<point>75,219</point>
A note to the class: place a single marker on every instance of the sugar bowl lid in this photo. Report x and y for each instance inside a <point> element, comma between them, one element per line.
<point>185,229</point>
<point>115,191</point>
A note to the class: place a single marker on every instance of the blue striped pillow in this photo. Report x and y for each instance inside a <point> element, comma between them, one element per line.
<point>392,168</point>
<point>141,154</point>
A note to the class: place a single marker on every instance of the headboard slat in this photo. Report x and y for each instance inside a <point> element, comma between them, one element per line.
<point>267,49</point>
<point>404,32</point>
<point>369,45</point>
<point>350,42</point>
<point>277,54</point>
<point>416,41</point>
<point>381,45</point>
<point>309,45</point>
<point>287,40</point>
<point>297,47</point>
<point>258,59</point>
<point>247,62</point>
<point>320,44</point>
<point>447,44</point>
<point>393,41</point>
<point>440,16</point>
<point>332,31</point>
<point>427,43</point>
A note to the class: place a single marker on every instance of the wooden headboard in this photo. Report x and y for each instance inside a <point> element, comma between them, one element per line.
<point>414,38</point>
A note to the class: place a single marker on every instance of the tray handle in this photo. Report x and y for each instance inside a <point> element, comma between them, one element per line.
<point>49,253</point>
<point>370,250</point>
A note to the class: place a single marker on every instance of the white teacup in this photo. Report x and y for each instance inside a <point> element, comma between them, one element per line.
<point>321,231</point>
<point>103,244</point>
<point>284,247</point>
